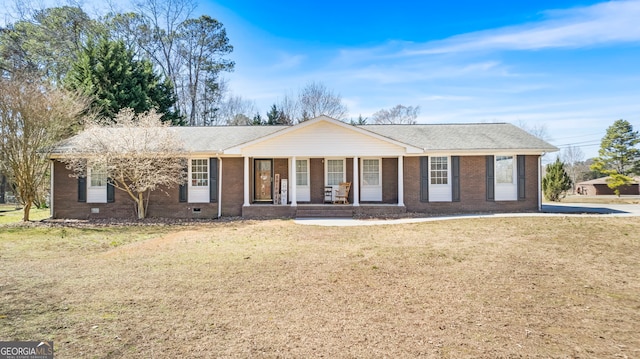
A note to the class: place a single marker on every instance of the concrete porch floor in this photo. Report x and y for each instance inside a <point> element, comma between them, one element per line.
<point>326,210</point>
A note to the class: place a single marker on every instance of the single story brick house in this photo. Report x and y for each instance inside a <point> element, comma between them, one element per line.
<point>294,171</point>
<point>598,187</point>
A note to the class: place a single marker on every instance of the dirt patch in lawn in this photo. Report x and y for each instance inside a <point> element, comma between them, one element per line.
<point>488,288</point>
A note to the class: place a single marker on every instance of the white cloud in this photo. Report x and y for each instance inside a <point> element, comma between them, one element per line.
<point>403,72</point>
<point>286,62</point>
<point>445,98</point>
<point>596,25</point>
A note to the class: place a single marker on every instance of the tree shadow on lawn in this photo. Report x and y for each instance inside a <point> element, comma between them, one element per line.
<point>554,208</point>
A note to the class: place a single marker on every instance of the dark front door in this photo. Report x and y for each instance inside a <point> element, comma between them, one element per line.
<point>263,173</point>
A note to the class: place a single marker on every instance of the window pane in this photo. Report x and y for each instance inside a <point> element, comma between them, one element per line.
<point>504,169</point>
<point>370,172</point>
<point>200,173</point>
<point>301,172</point>
<point>98,176</point>
<point>335,173</point>
<point>439,170</point>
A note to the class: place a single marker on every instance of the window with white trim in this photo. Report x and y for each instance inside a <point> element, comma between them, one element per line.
<point>439,179</point>
<point>439,170</point>
<point>506,188</point>
<point>98,176</point>
<point>504,169</point>
<point>199,173</point>
<point>335,172</point>
<point>97,184</point>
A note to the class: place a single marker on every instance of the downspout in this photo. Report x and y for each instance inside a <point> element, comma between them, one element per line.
<point>540,182</point>
<point>219,187</point>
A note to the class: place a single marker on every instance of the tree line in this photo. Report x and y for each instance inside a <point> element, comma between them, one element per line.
<point>61,69</point>
<point>157,56</point>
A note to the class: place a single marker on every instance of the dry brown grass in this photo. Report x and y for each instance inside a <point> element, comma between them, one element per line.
<point>562,287</point>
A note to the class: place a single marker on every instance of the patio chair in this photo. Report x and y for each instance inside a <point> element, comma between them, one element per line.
<point>342,193</point>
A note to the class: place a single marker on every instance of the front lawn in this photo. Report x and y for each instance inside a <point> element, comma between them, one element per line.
<point>10,213</point>
<point>487,288</point>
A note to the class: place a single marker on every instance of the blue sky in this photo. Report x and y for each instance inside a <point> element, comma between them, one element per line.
<point>570,66</point>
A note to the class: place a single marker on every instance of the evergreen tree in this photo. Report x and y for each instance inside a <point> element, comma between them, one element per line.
<point>257,120</point>
<point>360,121</point>
<point>275,116</point>
<point>109,73</point>
<point>618,152</point>
<point>617,180</point>
<point>618,155</point>
<point>47,43</point>
<point>556,182</point>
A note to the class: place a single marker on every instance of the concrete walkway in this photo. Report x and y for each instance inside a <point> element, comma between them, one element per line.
<point>548,210</point>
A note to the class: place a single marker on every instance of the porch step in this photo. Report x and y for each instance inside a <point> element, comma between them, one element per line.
<point>325,211</point>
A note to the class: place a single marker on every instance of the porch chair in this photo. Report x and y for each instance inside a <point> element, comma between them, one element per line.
<point>342,193</point>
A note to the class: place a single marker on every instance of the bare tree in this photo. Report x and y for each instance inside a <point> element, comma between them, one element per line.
<point>235,111</point>
<point>289,108</point>
<point>33,117</point>
<point>138,153</point>
<point>159,22</point>
<point>316,99</point>
<point>573,157</point>
<point>204,43</point>
<point>398,114</point>
<point>537,129</point>
<point>189,52</point>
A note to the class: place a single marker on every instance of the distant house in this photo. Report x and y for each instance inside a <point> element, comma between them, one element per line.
<point>293,171</point>
<point>598,187</point>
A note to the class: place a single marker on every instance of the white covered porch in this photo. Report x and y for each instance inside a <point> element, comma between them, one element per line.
<point>348,154</point>
<point>360,190</point>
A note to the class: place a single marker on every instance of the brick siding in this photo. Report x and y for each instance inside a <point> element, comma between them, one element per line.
<point>472,189</point>
<point>165,202</point>
<point>389,180</point>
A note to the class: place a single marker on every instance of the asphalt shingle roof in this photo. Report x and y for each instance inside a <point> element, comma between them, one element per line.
<point>207,139</point>
<point>479,136</point>
<point>444,137</point>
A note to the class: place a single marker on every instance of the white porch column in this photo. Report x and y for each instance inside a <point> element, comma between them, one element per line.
<point>246,181</point>
<point>400,181</point>
<point>293,182</point>
<point>356,183</point>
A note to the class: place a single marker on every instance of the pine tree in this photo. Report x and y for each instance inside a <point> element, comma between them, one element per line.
<point>257,120</point>
<point>360,121</point>
<point>109,73</point>
<point>618,152</point>
<point>276,116</point>
<point>618,155</point>
<point>556,182</point>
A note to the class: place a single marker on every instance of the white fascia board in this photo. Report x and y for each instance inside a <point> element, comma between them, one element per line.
<point>484,152</point>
